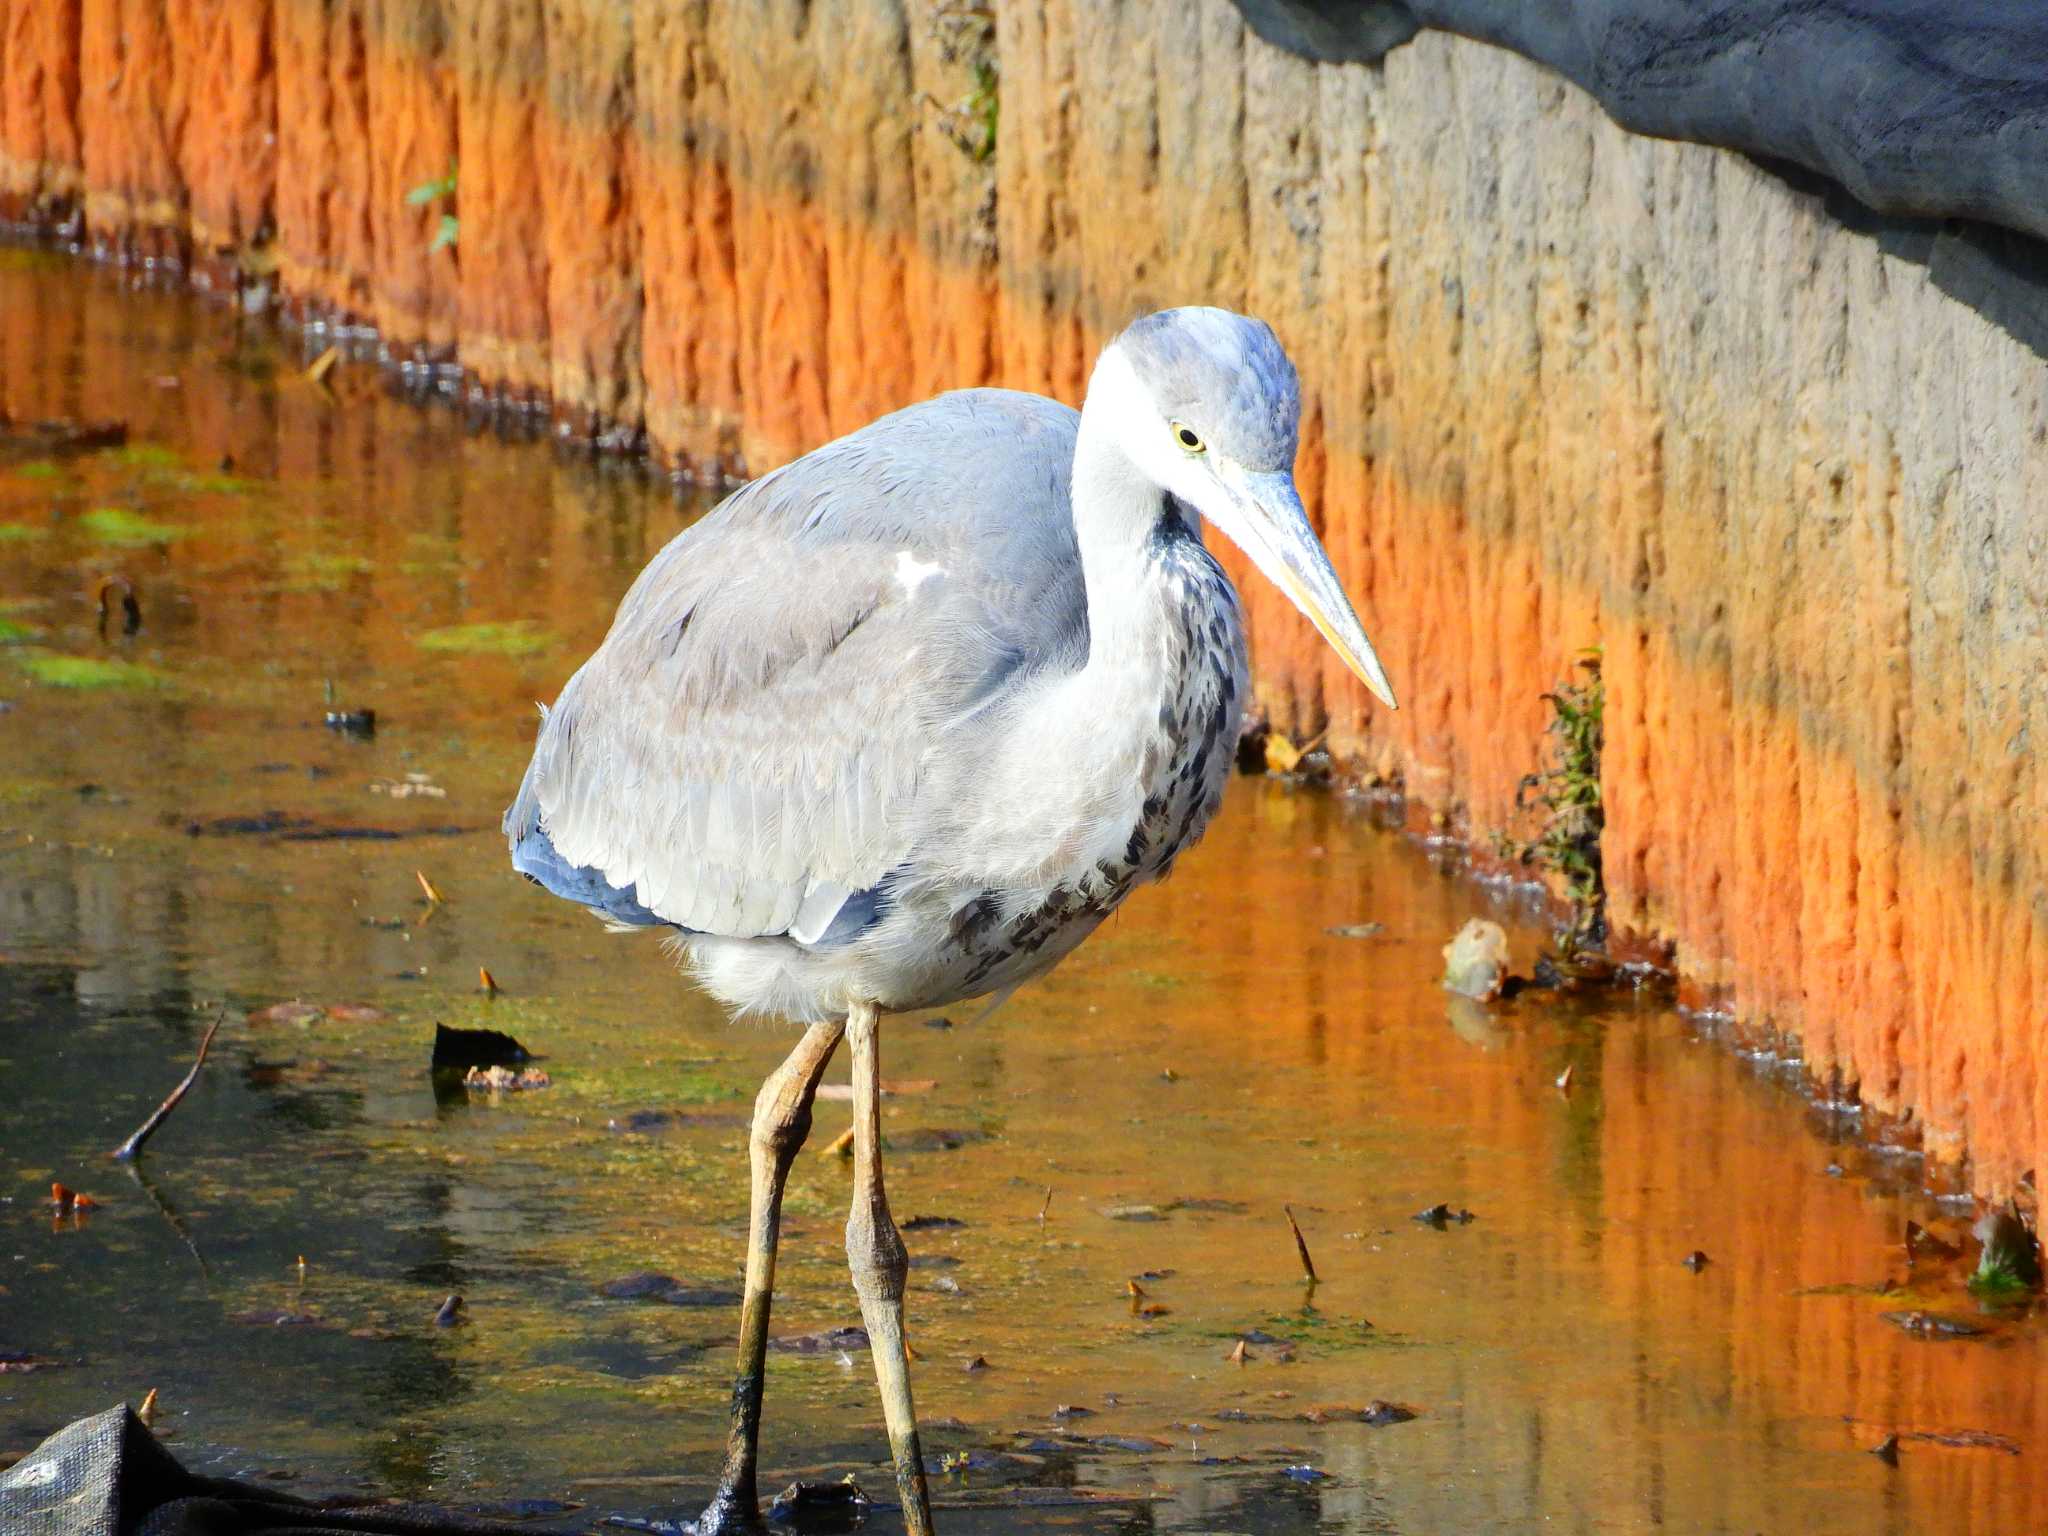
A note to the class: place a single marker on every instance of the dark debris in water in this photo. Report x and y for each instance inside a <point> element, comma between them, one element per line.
<point>359,723</point>
<point>20,1362</point>
<point>277,1317</point>
<point>459,1050</point>
<point>837,1506</point>
<point>1923,1324</point>
<point>651,1122</point>
<point>829,1341</point>
<point>929,1223</point>
<point>1444,1216</point>
<point>287,828</point>
<point>650,1285</point>
<point>933,1139</point>
<point>29,440</point>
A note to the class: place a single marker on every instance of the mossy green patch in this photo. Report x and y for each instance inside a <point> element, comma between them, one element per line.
<point>88,672</point>
<point>40,469</point>
<point>118,525</point>
<point>147,456</point>
<point>13,632</point>
<point>516,637</point>
<point>20,533</point>
<point>323,573</point>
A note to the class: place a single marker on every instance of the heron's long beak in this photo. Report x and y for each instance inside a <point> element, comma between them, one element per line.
<point>1273,529</point>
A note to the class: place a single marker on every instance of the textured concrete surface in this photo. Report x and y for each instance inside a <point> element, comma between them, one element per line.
<point>1565,387</point>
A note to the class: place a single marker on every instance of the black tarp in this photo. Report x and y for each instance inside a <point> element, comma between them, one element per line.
<point>1923,123</point>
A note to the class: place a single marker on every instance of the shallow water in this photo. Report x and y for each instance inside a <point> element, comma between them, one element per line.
<point>170,844</point>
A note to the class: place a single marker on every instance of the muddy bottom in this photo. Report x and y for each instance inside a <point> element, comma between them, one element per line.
<point>1103,1163</point>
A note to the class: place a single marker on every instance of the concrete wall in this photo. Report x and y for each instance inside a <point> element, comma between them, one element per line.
<point>1565,387</point>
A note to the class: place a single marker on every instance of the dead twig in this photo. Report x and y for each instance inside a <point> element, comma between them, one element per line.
<point>131,1149</point>
<point>1308,1265</point>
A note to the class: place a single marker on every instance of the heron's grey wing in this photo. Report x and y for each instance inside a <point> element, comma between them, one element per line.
<point>743,754</point>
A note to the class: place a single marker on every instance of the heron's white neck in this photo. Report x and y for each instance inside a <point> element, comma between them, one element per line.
<point>1117,508</point>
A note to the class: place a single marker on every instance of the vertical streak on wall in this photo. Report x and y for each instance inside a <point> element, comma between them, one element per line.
<point>1120,256</point>
<point>784,299</point>
<point>412,142</point>
<point>1287,286</point>
<point>950,288</point>
<point>132,107</point>
<point>593,228</point>
<point>1037,226</point>
<point>229,152</point>
<point>500,62</point>
<point>41,160</point>
<point>1350,339</point>
<point>690,321</point>
<point>323,158</point>
<point>857,60</point>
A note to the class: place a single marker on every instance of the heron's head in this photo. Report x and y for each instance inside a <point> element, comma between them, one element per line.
<point>1206,405</point>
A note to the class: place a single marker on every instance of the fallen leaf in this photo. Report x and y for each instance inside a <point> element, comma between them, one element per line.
<point>434,897</point>
<point>487,981</point>
<point>1282,755</point>
<point>840,1146</point>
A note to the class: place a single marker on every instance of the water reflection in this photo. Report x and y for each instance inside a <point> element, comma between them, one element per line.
<point>1213,1054</point>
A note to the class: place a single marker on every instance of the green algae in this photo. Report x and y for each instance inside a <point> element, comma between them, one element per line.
<point>146,456</point>
<point>40,469</point>
<point>323,572</point>
<point>118,525</point>
<point>88,673</point>
<point>515,637</point>
<point>12,632</point>
<point>20,533</point>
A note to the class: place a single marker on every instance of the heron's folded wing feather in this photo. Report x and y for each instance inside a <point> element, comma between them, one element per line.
<point>744,751</point>
<point>748,733</point>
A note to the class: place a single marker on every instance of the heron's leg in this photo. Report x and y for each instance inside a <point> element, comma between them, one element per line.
<point>875,1253</point>
<point>782,1119</point>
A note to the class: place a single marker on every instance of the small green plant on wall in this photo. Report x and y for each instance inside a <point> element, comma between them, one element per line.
<point>426,194</point>
<point>1565,797</point>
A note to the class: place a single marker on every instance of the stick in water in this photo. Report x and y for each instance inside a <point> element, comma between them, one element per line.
<point>1308,1266</point>
<point>131,1149</point>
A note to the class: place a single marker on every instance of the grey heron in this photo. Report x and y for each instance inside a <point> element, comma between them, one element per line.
<point>903,721</point>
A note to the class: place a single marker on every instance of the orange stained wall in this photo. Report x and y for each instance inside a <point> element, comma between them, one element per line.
<point>1564,387</point>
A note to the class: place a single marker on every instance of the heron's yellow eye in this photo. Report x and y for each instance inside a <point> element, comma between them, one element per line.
<point>1188,437</point>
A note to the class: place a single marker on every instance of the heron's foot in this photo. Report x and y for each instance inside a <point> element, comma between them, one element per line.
<point>727,1515</point>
